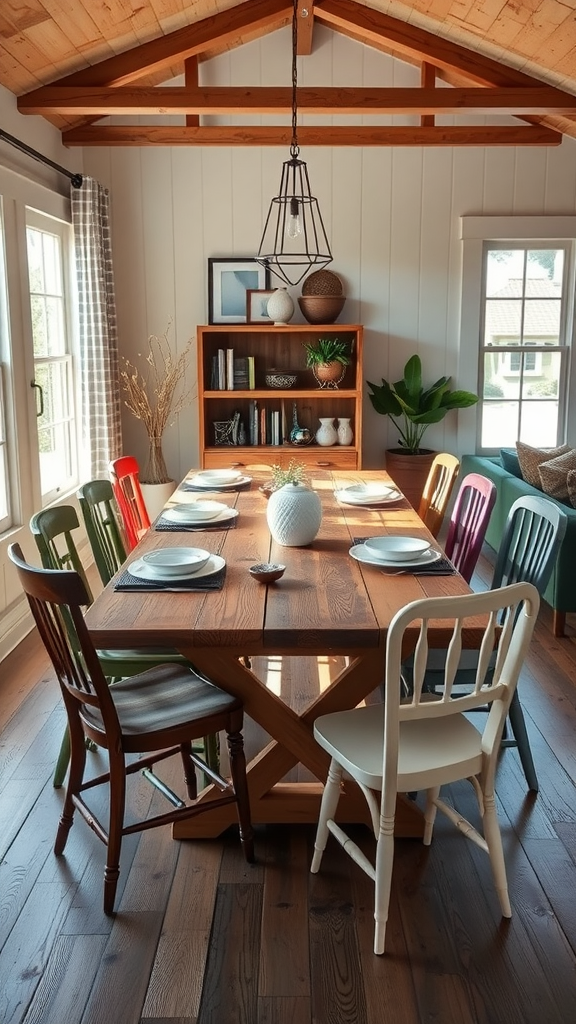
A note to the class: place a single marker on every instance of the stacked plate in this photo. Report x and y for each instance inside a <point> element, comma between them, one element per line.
<point>373,493</point>
<point>168,564</point>
<point>392,552</point>
<point>219,479</point>
<point>199,513</point>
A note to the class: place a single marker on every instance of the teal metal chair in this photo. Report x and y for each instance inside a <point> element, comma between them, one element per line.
<point>53,530</point>
<point>528,550</point>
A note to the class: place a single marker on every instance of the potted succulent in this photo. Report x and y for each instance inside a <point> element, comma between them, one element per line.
<point>328,359</point>
<point>412,409</point>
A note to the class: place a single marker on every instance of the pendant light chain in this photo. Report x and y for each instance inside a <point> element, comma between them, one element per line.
<point>294,147</point>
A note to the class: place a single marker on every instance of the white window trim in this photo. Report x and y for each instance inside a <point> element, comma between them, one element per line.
<point>475,231</point>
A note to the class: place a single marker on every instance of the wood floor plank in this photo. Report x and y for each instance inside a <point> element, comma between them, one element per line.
<point>284,964</point>
<point>284,1010</point>
<point>66,983</point>
<point>230,992</point>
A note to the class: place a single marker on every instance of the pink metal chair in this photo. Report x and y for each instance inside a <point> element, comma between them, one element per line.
<point>124,477</point>
<point>469,522</point>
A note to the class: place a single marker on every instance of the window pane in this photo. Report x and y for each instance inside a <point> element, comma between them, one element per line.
<point>539,424</point>
<point>55,465</point>
<point>505,272</point>
<point>52,274</point>
<point>503,321</point>
<point>499,424</point>
<point>39,328</point>
<point>500,378</point>
<point>35,260</point>
<point>542,321</point>
<point>55,327</point>
<point>542,378</point>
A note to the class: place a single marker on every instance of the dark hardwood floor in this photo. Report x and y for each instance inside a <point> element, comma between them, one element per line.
<point>202,938</point>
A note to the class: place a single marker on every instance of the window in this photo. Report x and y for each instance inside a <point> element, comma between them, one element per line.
<point>523,350</point>
<point>53,360</point>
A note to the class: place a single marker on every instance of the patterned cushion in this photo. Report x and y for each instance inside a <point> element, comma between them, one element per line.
<point>509,460</point>
<point>531,458</point>
<point>554,473</point>
<point>571,486</point>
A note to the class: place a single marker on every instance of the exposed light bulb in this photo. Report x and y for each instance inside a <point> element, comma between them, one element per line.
<point>294,227</point>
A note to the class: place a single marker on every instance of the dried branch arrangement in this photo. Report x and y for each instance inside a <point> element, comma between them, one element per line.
<point>156,395</point>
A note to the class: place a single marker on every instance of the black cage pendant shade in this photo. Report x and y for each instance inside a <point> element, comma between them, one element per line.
<point>294,240</point>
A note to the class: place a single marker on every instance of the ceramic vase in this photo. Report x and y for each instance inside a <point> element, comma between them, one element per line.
<point>294,514</point>
<point>326,433</point>
<point>155,497</point>
<point>345,435</point>
<point>280,307</point>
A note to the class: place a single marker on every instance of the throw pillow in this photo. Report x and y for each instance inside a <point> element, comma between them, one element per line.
<point>509,460</point>
<point>531,458</point>
<point>571,486</point>
<point>554,474</point>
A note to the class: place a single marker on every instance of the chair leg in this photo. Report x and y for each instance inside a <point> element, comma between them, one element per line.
<point>383,883</point>
<point>62,762</point>
<point>518,725</point>
<point>115,827</point>
<point>211,752</point>
<point>189,771</point>
<point>494,842</point>
<point>330,798</point>
<point>235,742</point>
<point>76,738</point>
<point>430,814</point>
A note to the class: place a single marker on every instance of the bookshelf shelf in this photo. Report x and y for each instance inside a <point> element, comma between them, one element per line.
<point>248,418</point>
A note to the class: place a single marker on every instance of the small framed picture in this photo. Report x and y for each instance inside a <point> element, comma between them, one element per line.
<point>228,282</point>
<point>257,305</point>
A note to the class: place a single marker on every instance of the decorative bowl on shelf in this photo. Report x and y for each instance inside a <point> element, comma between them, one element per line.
<point>321,309</point>
<point>280,378</point>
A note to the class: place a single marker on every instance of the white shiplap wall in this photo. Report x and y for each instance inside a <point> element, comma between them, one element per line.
<point>392,216</point>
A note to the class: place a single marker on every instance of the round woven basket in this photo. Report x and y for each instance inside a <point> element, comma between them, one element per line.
<point>321,309</point>
<point>322,282</point>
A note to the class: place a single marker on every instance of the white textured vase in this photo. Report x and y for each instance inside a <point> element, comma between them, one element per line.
<point>294,514</point>
<point>280,307</point>
<point>326,433</point>
<point>344,431</point>
<point>155,497</point>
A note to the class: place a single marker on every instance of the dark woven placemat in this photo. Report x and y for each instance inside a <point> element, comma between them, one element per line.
<point>163,525</point>
<point>127,582</point>
<point>443,567</point>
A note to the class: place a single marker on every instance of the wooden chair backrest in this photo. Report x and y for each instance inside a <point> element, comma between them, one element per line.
<point>437,491</point>
<point>124,475</point>
<point>102,520</point>
<point>52,530</point>
<point>469,522</point>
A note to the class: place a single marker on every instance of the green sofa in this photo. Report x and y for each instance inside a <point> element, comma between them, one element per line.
<point>561,591</point>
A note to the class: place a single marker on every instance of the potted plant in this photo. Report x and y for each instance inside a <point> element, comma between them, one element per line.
<point>412,408</point>
<point>327,358</point>
<point>155,395</point>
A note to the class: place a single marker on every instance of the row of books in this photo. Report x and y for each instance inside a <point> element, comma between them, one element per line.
<point>266,425</point>
<point>232,373</point>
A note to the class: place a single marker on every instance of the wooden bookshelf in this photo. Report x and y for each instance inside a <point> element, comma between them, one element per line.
<point>280,349</point>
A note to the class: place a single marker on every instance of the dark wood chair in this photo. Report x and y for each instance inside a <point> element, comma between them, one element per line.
<point>155,714</point>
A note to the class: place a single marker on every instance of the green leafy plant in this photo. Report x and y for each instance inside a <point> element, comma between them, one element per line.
<point>327,350</point>
<point>412,408</point>
<point>293,473</point>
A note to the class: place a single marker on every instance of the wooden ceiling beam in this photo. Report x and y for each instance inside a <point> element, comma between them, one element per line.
<point>278,100</point>
<point>305,27</point>
<point>337,135</point>
<point>221,31</point>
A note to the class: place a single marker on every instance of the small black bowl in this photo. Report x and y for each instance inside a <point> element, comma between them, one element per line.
<point>267,572</point>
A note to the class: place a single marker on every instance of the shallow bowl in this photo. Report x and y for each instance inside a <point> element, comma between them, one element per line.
<point>176,561</point>
<point>267,572</point>
<point>396,549</point>
<point>219,476</point>
<point>280,379</point>
<point>321,309</point>
<point>201,510</point>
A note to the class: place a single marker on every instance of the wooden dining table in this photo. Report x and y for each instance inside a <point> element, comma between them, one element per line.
<point>326,603</point>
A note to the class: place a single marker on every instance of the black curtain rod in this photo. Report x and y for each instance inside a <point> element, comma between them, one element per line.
<point>76,179</point>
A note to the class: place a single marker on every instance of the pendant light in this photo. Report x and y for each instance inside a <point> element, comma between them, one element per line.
<point>294,239</point>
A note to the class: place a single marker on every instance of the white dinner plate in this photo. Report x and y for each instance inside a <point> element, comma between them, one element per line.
<point>200,481</point>
<point>361,553</point>
<point>142,571</point>
<point>368,494</point>
<point>179,519</point>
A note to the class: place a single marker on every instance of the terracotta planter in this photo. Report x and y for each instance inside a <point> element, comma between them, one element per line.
<point>329,374</point>
<point>409,472</point>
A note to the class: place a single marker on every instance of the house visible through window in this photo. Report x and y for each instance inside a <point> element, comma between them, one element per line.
<point>523,361</point>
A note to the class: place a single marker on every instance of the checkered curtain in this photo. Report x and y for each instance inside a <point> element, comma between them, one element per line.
<point>97,318</point>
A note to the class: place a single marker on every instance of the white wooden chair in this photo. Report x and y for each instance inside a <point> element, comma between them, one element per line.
<point>426,741</point>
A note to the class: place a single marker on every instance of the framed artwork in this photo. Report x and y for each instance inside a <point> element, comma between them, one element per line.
<point>257,305</point>
<point>228,282</point>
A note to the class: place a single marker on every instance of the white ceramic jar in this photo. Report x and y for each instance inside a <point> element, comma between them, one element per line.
<point>294,514</point>
<point>326,433</point>
<point>344,431</point>
<point>280,307</point>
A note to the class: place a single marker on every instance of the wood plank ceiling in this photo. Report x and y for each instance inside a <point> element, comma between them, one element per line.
<point>75,63</point>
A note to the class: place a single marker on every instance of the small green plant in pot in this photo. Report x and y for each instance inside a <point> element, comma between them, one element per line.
<point>327,358</point>
<point>413,408</point>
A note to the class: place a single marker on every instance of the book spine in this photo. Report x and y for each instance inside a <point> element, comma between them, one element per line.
<point>221,370</point>
<point>230,369</point>
<point>251,373</point>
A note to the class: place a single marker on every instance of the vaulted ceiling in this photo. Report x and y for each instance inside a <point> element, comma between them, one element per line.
<point>76,61</point>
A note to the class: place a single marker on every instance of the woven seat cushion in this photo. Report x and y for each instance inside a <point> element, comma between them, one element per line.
<point>531,458</point>
<point>162,698</point>
<point>554,475</point>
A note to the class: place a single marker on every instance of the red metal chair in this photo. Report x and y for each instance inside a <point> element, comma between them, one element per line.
<point>124,476</point>
<point>469,522</point>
